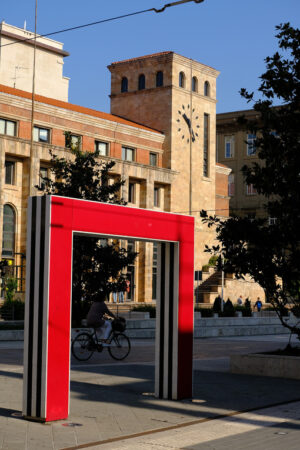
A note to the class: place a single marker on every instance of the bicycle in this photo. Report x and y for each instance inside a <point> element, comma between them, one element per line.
<point>118,344</point>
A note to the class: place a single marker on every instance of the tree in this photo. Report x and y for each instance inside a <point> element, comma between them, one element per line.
<point>98,264</point>
<point>271,253</point>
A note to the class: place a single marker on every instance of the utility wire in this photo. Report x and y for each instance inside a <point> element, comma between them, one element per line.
<point>111,19</point>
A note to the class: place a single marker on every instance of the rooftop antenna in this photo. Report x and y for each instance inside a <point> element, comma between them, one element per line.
<point>16,75</point>
<point>25,24</point>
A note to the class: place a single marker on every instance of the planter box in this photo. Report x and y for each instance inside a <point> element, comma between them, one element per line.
<point>266,365</point>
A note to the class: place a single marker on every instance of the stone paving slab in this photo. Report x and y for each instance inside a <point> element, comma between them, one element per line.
<point>276,428</point>
<point>111,400</point>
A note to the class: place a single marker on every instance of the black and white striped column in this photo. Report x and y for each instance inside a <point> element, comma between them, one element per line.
<point>36,307</point>
<point>166,364</point>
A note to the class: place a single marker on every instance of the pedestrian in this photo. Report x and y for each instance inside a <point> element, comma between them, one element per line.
<point>121,297</point>
<point>97,318</point>
<point>258,304</point>
<point>115,297</point>
<point>248,303</point>
<point>127,282</point>
<point>240,300</point>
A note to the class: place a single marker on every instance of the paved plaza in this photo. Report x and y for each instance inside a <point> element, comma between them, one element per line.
<point>112,404</point>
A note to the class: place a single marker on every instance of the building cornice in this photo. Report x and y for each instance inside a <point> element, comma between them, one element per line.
<point>31,42</point>
<point>168,56</point>
<point>81,118</point>
<point>195,65</point>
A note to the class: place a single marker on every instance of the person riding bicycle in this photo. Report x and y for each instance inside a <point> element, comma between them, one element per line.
<point>95,318</point>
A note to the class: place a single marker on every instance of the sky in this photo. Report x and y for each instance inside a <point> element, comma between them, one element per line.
<point>233,36</point>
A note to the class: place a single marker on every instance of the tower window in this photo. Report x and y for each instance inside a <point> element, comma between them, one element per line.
<point>153,159</point>
<point>206,89</point>
<point>131,193</point>
<point>231,185</point>
<point>229,146</point>
<point>194,84</point>
<point>159,79</point>
<point>124,85</point>
<point>142,82</point>
<point>8,127</point>
<point>251,147</point>
<point>10,167</point>
<point>128,154</point>
<point>181,80</point>
<point>41,134</point>
<point>9,226</point>
<point>156,197</point>
<point>101,148</point>
<point>205,145</point>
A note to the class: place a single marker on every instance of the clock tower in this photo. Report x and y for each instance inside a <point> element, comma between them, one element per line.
<point>175,95</point>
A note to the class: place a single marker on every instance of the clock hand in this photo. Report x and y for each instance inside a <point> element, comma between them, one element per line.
<point>189,125</point>
<point>187,120</point>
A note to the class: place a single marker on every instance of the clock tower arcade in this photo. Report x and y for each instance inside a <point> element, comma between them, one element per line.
<point>177,96</point>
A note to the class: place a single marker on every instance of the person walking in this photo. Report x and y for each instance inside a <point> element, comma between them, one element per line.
<point>240,300</point>
<point>258,304</point>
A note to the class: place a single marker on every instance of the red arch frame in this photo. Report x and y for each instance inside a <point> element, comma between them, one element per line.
<point>52,220</point>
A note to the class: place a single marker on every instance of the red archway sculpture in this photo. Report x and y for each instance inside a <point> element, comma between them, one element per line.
<point>52,222</point>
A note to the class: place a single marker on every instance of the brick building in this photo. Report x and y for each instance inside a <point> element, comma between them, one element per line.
<point>160,132</point>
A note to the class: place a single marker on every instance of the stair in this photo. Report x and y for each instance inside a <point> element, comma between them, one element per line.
<point>211,287</point>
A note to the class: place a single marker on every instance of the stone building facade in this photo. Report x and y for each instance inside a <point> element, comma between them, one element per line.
<point>235,149</point>
<point>160,133</point>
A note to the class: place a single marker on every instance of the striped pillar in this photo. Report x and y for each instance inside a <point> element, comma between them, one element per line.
<point>36,307</point>
<point>166,364</point>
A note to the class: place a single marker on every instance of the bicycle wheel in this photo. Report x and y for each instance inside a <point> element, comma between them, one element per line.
<point>83,346</point>
<point>119,347</point>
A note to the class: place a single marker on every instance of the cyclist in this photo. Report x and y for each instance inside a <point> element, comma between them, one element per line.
<point>95,318</point>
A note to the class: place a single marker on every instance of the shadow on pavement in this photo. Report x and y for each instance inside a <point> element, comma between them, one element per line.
<point>215,393</point>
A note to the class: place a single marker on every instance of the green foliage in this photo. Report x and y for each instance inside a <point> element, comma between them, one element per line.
<point>206,267</point>
<point>12,309</point>
<point>146,308</point>
<point>271,253</point>
<point>10,287</point>
<point>213,260</point>
<point>99,266</point>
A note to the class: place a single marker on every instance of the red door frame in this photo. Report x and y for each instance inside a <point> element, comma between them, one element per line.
<point>52,221</point>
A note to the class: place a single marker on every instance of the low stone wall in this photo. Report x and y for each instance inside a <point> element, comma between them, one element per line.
<point>266,365</point>
<point>204,327</point>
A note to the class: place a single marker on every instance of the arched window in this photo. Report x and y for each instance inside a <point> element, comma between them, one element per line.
<point>194,84</point>
<point>159,79</point>
<point>124,85</point>
<point>181,79</point>
<point>206,89</point>
<point>142,82</point>
<point>9,225</point>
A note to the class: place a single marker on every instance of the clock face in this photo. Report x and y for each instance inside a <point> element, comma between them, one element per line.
<point>188,123</point>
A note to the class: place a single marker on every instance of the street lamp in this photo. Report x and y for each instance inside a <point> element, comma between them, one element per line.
<point>174,4</point>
